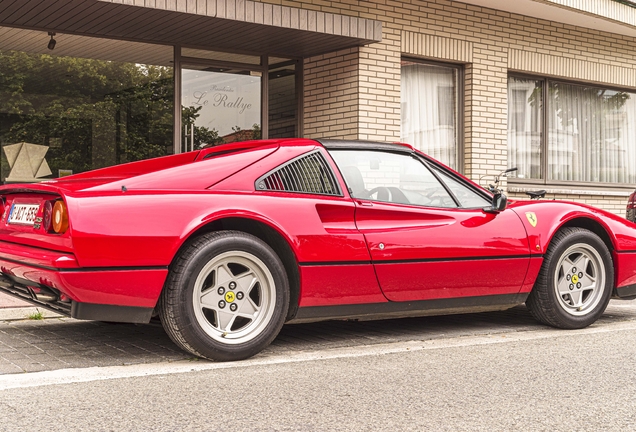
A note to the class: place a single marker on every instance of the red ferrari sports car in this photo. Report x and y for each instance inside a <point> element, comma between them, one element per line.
<point>228,243</point>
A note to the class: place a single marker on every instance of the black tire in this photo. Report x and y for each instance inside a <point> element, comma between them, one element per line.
<point>195,303</point>
<point>568,297</point>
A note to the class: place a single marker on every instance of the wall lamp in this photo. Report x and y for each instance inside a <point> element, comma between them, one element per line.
<point>52,42</point>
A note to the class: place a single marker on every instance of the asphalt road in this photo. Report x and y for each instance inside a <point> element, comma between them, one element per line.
<point>539,379</point>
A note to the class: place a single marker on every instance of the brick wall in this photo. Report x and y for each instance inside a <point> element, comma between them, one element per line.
<point>379,89</point>
<point>331,98</point>
<point>356,93</point>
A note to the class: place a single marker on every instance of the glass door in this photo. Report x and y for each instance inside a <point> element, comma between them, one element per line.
<point>219,105</point>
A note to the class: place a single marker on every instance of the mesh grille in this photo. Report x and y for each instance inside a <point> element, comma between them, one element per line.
<point>306,174</point>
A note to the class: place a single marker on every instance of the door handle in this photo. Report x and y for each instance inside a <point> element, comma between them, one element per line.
<point>364,203</point>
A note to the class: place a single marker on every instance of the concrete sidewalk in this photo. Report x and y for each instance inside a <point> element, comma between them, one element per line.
<point>12,308</point>
<point>7,301</point>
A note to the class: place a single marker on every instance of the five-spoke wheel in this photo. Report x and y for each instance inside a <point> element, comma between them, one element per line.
<point>226,297</point>
<point>234,297</point>
<point>579,279</point>
<point>575,282</point>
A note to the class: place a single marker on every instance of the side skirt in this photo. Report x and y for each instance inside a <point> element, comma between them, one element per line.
<point>112,313</point>
<point>627,292</point>
<point>385,310</point>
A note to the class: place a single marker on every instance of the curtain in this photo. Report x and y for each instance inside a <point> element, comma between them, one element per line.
<point>591,134</point>
<point>525,106</point>
<point>429,110</point>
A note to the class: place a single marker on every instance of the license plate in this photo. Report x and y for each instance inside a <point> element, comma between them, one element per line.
<point>23,214</point>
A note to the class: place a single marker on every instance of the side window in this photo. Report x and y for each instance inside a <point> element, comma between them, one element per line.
<point>390,177</point>
<point>467,197</point>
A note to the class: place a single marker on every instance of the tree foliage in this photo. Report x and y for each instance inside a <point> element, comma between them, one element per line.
<point>203,137</point>
<point>91,113</point>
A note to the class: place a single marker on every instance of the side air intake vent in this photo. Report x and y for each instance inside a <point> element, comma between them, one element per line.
<point>306,174</point>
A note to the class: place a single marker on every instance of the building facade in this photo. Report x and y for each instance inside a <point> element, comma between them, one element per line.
<point>546,86</point>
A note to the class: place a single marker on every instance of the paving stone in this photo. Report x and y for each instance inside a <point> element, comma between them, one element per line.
<point>9,369</point>
<point>30,346</point>
<point>15,356</point>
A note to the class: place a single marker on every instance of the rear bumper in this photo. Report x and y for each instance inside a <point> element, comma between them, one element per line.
<point>54,280</point>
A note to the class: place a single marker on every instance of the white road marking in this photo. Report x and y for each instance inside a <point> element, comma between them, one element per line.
<point>78,375</point>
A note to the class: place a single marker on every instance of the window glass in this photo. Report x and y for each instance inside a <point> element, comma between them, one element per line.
<point>89,103</point>
<point>467,197</point>
<point>390,177</point>
<point>219,105</point>
<point>282,101</point>
<point>591,134</point>
<point>429,110</point>
<point>525,107</point>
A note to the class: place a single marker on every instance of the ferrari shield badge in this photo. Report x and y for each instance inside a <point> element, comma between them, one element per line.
<point>532,218</point>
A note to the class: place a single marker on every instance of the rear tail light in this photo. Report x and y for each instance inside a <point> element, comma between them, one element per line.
<point>55,217</point>
<point>47,214</point>
<point>60,217</point>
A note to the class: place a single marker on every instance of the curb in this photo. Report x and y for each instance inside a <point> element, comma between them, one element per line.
<point>23,313</point>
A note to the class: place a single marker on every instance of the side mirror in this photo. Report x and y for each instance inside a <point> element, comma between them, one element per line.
<point>499,202</point>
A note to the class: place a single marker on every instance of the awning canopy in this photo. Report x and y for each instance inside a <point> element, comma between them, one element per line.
<point>232,25</point>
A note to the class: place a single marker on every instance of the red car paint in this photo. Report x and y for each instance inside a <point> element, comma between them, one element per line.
<point>127,223</point>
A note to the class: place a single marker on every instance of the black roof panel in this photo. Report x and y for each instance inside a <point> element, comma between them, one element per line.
<point>334,144</point>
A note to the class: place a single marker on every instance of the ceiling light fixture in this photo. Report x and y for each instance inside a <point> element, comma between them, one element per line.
<point>52,42</point>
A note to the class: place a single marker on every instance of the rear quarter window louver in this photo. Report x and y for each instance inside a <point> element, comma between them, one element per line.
<point>308,174</point>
